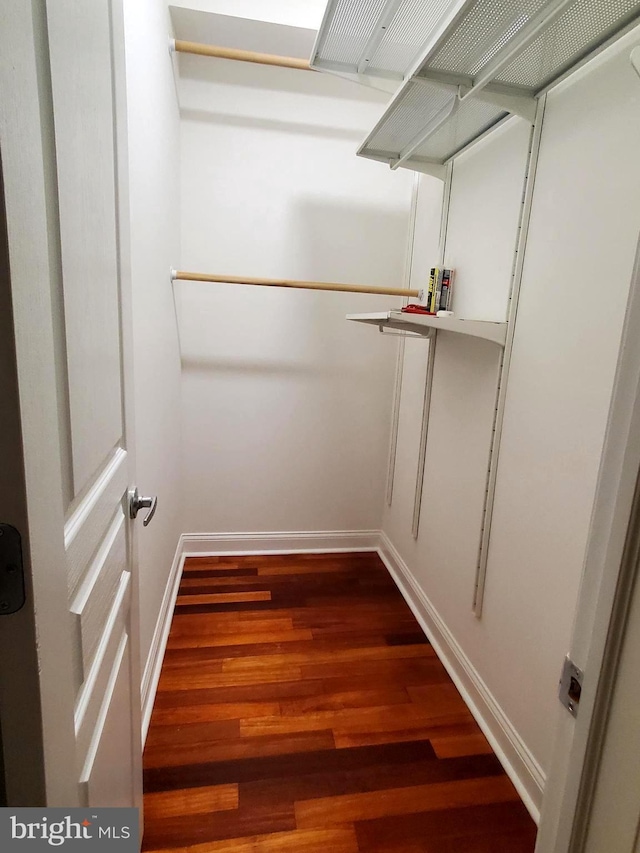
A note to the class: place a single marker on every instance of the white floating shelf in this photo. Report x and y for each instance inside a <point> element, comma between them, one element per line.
<point>466,64</point>
<point>424,324</point>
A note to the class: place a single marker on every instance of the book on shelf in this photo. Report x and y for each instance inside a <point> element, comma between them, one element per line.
<point>439,290</point>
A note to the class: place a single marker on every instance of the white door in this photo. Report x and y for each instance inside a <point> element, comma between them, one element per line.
<point>69,671</point>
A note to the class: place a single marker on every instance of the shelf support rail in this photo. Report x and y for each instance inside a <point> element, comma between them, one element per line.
<point>397,392</point>
<point>494,453</point>
<point>428,383</point>
<point>181,275</point>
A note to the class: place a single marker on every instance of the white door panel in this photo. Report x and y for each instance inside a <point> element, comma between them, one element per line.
<point>95,687</point>
<point>65,187</point>
<point>84,528</point>
<point>98,592</point>
<point>109,769</point>
<point>82,84</point>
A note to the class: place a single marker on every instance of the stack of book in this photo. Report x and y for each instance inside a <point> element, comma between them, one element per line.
<point>439,291</point>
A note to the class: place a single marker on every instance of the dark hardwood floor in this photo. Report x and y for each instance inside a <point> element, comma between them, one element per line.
<point>301,710</point>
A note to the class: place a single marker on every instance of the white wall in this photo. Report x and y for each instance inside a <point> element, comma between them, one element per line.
<point>578,262</point>
<point>286,406</point>
<point>582,241</point>
<point>154,187</point>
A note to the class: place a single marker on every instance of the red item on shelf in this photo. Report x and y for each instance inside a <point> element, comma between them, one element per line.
<point>417,309</point>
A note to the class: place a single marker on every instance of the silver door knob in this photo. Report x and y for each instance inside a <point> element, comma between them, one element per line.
<point>138,502</point>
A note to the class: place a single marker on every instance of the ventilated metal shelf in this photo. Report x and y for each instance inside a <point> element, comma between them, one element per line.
<point>377,38</point>
<point>424,325</point>
<point>466,65</point>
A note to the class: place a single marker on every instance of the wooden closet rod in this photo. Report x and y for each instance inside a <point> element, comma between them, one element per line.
<point>240,55</point>
<point>180,275</point>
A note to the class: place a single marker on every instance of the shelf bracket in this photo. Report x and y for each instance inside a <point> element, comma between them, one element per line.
<point>518,104</point>
<point>427,167</point>
<point>391,332</point>
<point>519,101</point>
<point>400,330</point>
<point>455,83</point>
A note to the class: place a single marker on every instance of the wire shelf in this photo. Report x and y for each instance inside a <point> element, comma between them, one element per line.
<point>466,64</point>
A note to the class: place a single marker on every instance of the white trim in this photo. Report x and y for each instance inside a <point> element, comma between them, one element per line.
<point>520,765</point>
<point>155,658</point>
<point>312,541</point>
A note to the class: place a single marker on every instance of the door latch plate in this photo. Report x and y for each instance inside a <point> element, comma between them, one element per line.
<point>12,591</point>
<point>570,686</point>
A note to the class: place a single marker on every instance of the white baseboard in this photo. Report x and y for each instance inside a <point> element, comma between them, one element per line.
<point>155,658</point>
<point>522,768</point>
<point>313,542</point>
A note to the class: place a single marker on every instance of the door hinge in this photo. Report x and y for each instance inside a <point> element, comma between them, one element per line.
<point>570,686</point>
<point>12,592</point>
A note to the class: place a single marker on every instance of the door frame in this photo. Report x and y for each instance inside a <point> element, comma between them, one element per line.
<point>42,742</point>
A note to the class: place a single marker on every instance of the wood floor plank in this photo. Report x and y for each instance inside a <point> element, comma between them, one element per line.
<point>301,709</point>
<point>216,798</point>
<point>222,597</point>
<point>329,811</point>
<point>355,720</point>
<point>459,744</point>
<point>189,830</point>
<point>202,732</point>
<point>269,692</point>
<point>209,713</point>
<point>258,768</point>
<point>347,740</point>
<point>210,676</point>
<point>251,638</point>
<point>340,840</point>
<point>206,570</point>
<point>333,656</point>
<point>228,623</point>
<point>340,701</point>
<point>380,777</point>
<point>431,832</point>
<point>232,749</point>
<point>360,644</point>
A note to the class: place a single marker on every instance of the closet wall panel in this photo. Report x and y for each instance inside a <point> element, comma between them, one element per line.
<point>577,267</point>
<point>286,406</point>
<point>578,262</point>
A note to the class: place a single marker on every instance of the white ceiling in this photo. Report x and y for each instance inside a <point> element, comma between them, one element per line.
<point>306,14</point>
<point>242,33</point>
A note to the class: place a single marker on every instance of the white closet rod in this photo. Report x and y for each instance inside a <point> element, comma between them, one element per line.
<point>240,55</point>
<point>180,275</point>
